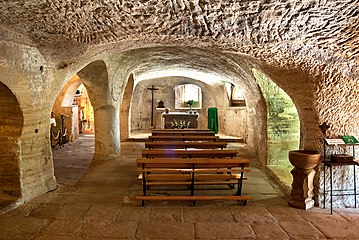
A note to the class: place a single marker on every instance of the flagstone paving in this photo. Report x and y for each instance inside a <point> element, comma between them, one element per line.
<point>98,202</point>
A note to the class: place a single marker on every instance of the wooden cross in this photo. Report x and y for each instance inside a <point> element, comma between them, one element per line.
<point>152,90</point>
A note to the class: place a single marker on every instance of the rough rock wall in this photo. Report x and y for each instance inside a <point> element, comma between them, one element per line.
<point>234,122</point>
<point>62,24</point>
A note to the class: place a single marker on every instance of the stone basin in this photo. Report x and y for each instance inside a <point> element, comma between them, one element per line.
<point>304,159</point>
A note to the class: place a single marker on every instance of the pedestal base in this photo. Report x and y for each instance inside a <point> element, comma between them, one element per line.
<point>302,188</point>
<point>302,205</point>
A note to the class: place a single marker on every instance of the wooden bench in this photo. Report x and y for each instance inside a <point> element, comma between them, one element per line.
<point>182,133</point>
<point>191,173</point>
<point>181,153</point>
<point>185,145</point>
<point>183,138</point>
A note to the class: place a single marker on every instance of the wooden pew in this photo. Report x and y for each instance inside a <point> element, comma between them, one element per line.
<point>185,145</point>
<point>180,153</point>
<point>183,138</point>
<point>182,133</point>
<point>193,172</point>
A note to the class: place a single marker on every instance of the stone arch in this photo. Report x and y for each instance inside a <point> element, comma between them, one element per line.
<point>67,93</point>
<point>166,89</point>
<point>63,105</point>
<point>283,120</point>
<point>301,90</point>
<point>237,67</point>
<point>234,67</point>
<point>125,108</point>
<point>106,110</point>
<point>283,129</point>
<point>11,125</point>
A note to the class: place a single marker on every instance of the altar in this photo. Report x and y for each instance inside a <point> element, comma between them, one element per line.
<point>168,118</point>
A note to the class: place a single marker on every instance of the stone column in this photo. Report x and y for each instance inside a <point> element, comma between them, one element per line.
<point>107,144</point>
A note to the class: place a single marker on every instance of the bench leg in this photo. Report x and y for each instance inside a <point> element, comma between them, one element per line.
<point>144,185</point>
<point>244,202</point>
<point>192,182</point>
<point>239,189</point>
<point>239,186</point>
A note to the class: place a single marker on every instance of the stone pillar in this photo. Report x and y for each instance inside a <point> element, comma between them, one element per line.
<point>107,144</point>
<point>302,188</point>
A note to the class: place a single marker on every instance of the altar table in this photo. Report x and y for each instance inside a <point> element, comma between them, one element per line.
<point>168,118</point>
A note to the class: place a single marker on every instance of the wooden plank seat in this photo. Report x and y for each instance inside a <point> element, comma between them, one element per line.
<point>189,153</point>
<point>185,145</point>
<point>183,138</point>
<point>191,173</point>
<point>182,133</point>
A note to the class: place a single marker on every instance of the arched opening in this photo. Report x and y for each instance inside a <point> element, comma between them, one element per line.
<point>235,95</point>
<point>283,127</point>
<point>11,124</point>
<point>188,96</point>
<point>167,66</point>
<point>73,118</point>
<point>140,112</point>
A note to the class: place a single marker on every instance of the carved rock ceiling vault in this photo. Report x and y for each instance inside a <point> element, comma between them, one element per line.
<point>63,29</point>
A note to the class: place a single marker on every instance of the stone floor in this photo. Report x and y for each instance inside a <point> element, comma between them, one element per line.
<point>98,203</point>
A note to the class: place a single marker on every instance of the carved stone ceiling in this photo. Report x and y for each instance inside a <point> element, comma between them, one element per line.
<point>74,25</point>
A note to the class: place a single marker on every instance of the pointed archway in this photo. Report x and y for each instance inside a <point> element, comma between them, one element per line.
<point>125,109</point>
<point>11,124</point>
<point>283,128</point>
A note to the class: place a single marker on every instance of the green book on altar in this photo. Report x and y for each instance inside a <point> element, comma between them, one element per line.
<point>350,139</point>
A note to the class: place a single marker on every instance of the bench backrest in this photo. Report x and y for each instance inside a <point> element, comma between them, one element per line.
<point>179,145</point>
<point>183,138</point>
<point>181,163</point>
<point>182,133</point>
<point>177,153</point>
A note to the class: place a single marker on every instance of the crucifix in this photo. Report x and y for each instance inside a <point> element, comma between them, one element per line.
<point>152,90</point>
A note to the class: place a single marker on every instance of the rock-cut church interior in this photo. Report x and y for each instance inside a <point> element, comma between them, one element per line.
<point>83,84</point>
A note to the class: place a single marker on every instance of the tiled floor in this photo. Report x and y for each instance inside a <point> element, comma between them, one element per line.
<point>101,205</point>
